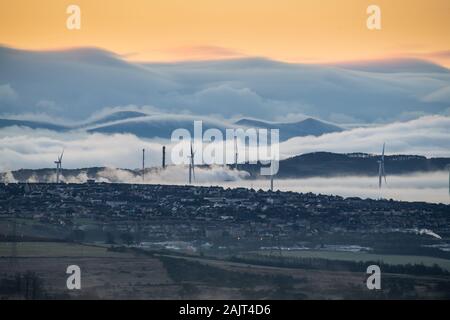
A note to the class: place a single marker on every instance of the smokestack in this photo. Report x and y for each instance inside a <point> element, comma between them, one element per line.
<point>164,157</point>
<point>143,165</point>
<point>272,174</point>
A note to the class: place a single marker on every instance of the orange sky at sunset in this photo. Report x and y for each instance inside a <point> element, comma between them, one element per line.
<point>287,30</point>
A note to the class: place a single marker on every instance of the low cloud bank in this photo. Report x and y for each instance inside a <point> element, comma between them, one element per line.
<point>428,187</point>
<point>428,136</point>
<point>22,147</point>
<point>170,175</point>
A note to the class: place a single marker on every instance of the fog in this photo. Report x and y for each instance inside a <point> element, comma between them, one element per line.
<point>429,187</point>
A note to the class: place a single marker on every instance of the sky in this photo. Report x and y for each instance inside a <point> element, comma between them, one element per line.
<point>285,30</point>
<point>223,60</point>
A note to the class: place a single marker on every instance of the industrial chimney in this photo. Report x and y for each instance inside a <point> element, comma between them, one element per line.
<point>164,157</point>
<point>143,164</point>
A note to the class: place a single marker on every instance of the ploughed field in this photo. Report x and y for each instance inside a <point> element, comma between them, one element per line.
<point>127,273</point>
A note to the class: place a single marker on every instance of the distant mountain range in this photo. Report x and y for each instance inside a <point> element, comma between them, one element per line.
<point>156,125</point>
<point>318,164</point>
<point>32,124</point>
<point>307,127</point>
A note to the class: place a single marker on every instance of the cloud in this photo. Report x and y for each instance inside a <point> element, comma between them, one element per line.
<point>442,56</point>
<point>47,105</point>
<point>230,100</point>
<point>84,81</point>
<point>439,54</point>
<point>107,111</point>
<point>7,93</point>
<point>205,52</point>
<point>430,187</point>
<point>171,175</point>
<point>8,177</point>
<point>28,148</point>
<point>440,95</point>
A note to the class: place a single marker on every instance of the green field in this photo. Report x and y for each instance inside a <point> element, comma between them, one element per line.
<point>362,257</point>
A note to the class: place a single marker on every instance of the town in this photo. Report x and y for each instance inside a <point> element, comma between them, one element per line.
<point>223,218</point>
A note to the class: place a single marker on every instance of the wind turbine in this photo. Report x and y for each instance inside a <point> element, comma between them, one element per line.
<point>381,171</point>
<point>58,163</point>
<point>191,165</point>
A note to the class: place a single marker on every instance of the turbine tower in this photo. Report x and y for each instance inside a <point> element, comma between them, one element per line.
<point>271,175</point>
<point>381,171</point>
<point>143,165</point>
<point>191,165</point>
<point>58,163</point>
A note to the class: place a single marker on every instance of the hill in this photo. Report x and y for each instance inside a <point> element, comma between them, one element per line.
<point>307,127</point>
<point>156,125</point>
<point>318,164</point>
<point>327,164</point>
